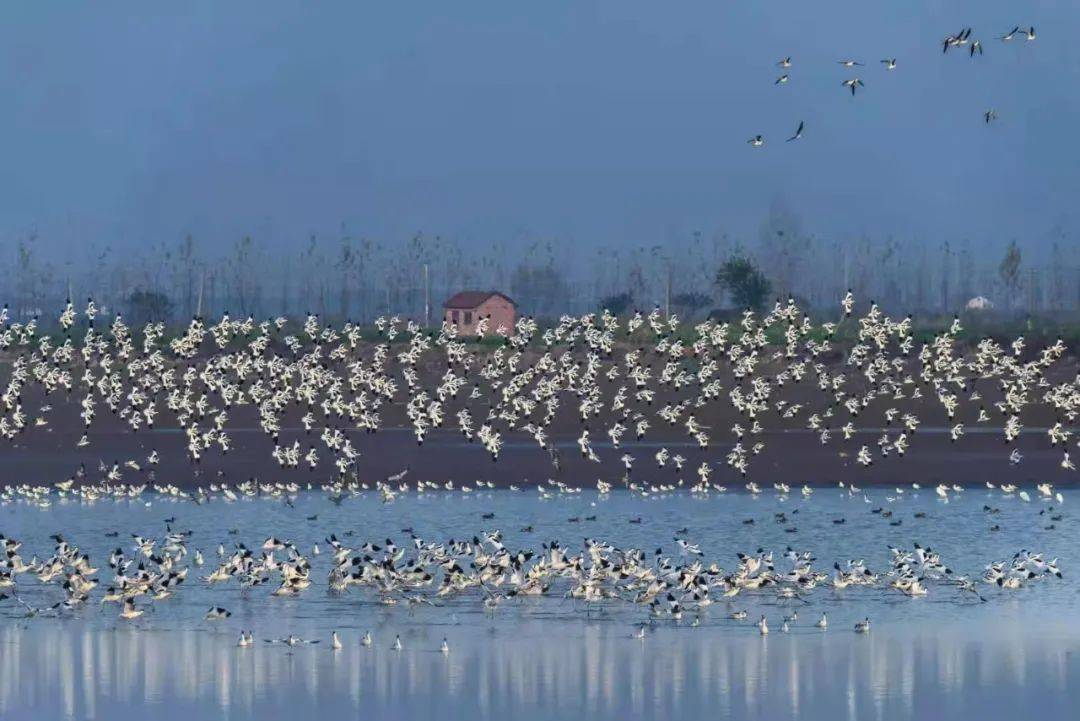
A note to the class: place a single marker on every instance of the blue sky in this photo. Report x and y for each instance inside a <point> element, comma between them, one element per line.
<point>593,122</point>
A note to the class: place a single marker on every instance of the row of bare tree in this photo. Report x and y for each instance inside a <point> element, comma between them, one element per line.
<point>359,278</point>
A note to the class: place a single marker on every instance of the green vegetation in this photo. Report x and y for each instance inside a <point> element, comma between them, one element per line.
<point>744,282</point>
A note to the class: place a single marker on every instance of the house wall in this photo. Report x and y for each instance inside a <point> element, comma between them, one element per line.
<point>499,311</point>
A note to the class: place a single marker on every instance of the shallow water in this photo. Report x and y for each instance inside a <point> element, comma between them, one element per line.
<point>550,658</point>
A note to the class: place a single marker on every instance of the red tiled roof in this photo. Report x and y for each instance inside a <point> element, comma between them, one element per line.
<point>468,299</point>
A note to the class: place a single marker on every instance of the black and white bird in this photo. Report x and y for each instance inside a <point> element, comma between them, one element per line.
<point>798,133</point>
<point>291,640</point>
<point>853,83</point>
<point>954,41</point>
<point>757,141</point>
<point>889,63</point>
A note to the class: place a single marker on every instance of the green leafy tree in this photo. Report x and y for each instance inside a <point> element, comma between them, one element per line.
<point>1009,272</point>
<point>691,302</point>
<point>618,303</point>
<point>744,282</point>
<point>539,289</point>
<point>147,306</point>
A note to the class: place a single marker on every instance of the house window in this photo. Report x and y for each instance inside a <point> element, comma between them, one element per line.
<point>454,316</point>
<point>468,317</point>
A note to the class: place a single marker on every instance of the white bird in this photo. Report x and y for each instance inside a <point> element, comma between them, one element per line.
<point>130,611</point>
<point>853,84</point>
<point>292,640</point>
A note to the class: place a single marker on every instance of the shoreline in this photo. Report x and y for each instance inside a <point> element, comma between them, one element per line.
<point>792,456</point>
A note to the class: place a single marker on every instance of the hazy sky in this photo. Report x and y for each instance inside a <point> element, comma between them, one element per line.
<point>596,122</point>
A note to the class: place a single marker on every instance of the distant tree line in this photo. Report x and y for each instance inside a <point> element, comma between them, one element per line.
<point>356,278</point>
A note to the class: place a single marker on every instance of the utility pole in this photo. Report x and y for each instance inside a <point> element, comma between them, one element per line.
<point>847,279</point>
<point>667,299</point>
<point>945,279</point>
<point>1031,290</point>
<point>427,298</point>
<point>202,282</point>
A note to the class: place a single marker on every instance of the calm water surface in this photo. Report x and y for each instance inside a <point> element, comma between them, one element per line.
<point>942,656</point>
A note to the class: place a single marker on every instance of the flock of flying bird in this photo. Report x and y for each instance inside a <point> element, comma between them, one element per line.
<point>958,41</point>
<point>624,375</point>
<point>619,379</point>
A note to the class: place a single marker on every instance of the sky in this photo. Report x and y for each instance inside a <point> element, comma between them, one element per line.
<point>591,122</point>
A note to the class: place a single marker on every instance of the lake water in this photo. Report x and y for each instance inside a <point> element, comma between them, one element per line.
<point>945,655</point>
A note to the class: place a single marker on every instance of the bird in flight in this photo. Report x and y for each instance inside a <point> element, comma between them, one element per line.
<point>953,41</point>
<point>782,79</point>
<point>757,141</point>
<point>1007,37</point>
<point>853,83</point>
<point>889,63</point>
<point>989,116</point>
<point>849,63</point>
<point>786,62</point>
<point>798,132</point>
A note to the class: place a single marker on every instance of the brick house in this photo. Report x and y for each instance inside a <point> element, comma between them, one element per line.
<point>464,309</point>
